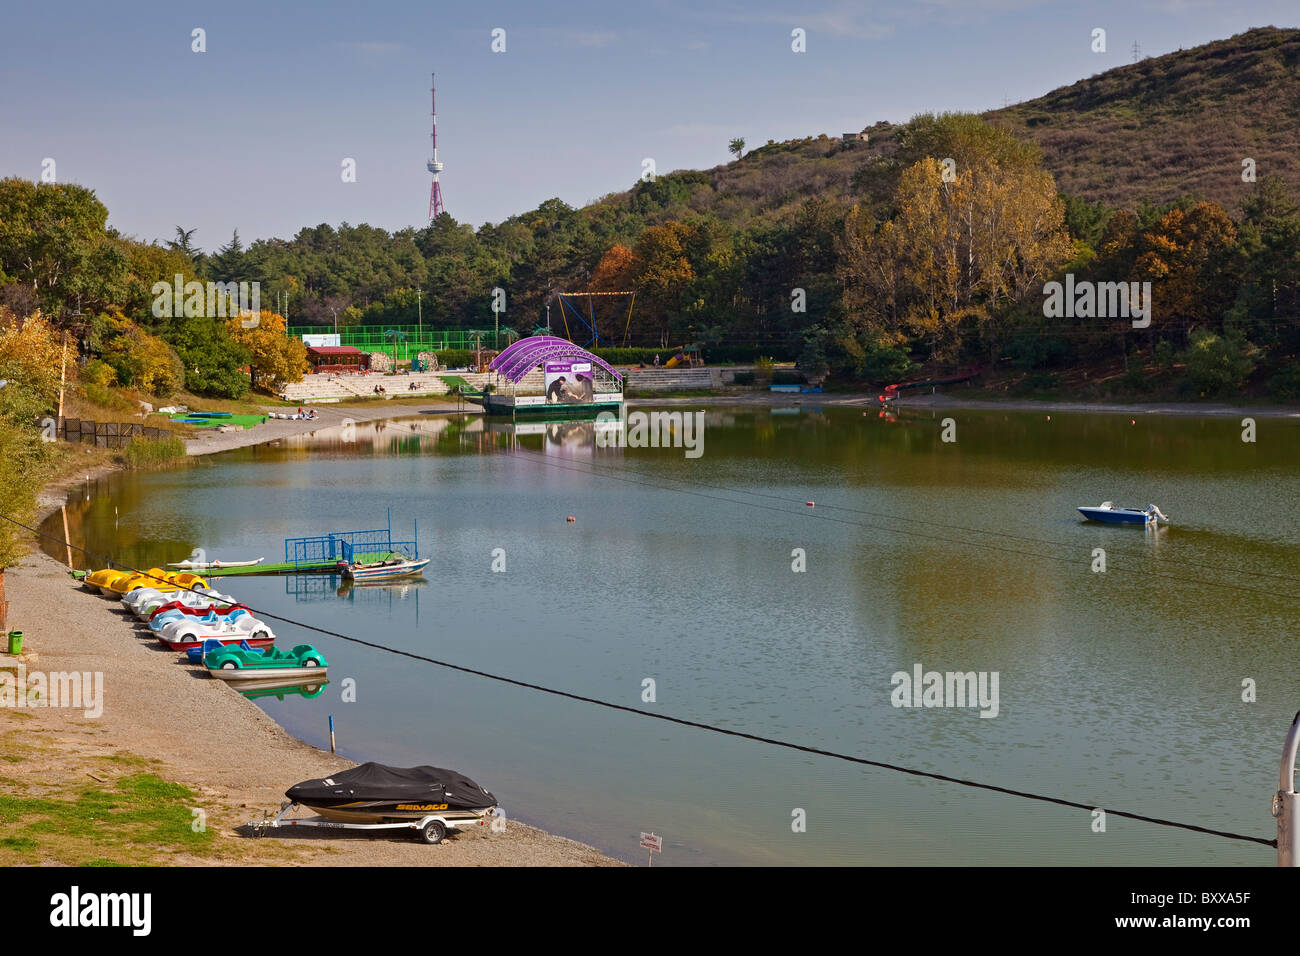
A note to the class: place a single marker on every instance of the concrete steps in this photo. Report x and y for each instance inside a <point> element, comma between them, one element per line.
<point>672,379</point>
<point>333,388</point>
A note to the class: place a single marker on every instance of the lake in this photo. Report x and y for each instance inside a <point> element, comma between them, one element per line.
<point>1119,689</point>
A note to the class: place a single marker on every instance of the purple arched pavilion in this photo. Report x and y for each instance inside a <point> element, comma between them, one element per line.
<point>524,356</point>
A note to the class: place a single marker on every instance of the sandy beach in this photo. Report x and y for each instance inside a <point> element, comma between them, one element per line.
<point>165,717</point>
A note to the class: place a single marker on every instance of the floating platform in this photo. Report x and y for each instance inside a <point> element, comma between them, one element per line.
<point>536,406</point>
<point>324,566</point>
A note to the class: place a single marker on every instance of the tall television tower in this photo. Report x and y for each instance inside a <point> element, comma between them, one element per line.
<point>436,207</point>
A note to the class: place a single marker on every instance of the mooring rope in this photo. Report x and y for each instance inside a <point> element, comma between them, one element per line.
<point>698,725</point>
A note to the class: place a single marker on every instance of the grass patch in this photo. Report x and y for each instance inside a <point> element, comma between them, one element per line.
<point>21,845</point>
<point>243,421</point>
<point>128,822</point>
<point>153,454</point>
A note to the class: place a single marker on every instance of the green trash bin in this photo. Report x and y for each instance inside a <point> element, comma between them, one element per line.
<point>15,642</point>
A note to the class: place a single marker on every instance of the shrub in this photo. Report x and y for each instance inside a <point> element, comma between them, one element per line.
<point>1164,354</point>
<point>884,364</point>
<point>455,358</point>
<point>27,462</point>
<point>98,372</point>
<point>1218,364</point>
<point>1034,347</point>
<point>1285,385</point>
<point>1136,378</point>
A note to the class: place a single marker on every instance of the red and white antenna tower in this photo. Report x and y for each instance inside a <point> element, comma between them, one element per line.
<point>436,207</point>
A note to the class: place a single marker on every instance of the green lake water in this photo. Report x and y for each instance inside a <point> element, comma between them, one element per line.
<point>1120,689</point>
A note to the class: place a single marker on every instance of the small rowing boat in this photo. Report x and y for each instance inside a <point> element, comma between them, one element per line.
<point>395,567</point>
<point>1108,513</point>
<point>213,565</point>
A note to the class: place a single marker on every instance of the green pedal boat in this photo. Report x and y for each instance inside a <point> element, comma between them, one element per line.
<point>234,664</point>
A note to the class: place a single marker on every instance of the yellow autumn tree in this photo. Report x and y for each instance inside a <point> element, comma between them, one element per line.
<point>30,350</point>
<point>277,357</point>
<point>1182,256</point>
<point>615,271</point>
<point>964,242</point>
<point>138,359</point>
<point>661,271</point>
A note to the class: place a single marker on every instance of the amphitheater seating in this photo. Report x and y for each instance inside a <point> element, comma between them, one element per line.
<point>333,388</point>
<point>672,379</point>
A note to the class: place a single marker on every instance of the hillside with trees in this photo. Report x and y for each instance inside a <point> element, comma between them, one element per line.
<point>928,244</point>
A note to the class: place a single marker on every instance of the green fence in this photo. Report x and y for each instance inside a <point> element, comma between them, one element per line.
<point>411,342</point>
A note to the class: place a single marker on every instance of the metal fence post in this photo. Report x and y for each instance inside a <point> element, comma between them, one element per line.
<point>1286,807</point>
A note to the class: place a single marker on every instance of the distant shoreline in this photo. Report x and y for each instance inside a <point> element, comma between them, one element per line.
<point>948,400</point>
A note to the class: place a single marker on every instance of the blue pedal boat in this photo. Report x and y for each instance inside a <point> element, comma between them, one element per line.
<point>1108,513</point>
<point>211,645</point>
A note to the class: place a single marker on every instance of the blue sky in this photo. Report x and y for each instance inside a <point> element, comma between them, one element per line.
<point>252,133</point>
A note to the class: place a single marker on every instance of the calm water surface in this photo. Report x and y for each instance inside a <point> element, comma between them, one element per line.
<point>1120,689</point>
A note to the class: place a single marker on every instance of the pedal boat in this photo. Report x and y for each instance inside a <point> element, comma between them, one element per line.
<point>233,664</point>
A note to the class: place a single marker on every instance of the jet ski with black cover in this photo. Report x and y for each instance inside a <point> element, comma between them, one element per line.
<point>375,793</point>
<point>427,800</point>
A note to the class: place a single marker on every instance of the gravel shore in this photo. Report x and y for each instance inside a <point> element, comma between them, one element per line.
<point>170,718</point>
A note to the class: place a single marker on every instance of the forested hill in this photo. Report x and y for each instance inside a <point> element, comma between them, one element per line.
<point>1163,128</point>
<point>1174,125</point>
<point>934,241</point>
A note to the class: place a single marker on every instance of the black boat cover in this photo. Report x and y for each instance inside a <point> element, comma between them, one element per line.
<point>375,781</point>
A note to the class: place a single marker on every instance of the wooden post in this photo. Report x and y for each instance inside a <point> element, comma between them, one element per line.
<point>67,541</point>
<point>63,379</point>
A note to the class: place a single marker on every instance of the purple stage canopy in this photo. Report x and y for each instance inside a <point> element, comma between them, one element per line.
<point>526,354</point>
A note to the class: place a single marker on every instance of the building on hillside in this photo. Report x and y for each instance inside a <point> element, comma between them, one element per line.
<point>337,358</point>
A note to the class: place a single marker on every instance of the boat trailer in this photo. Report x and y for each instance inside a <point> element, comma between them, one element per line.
<point>430,829</point>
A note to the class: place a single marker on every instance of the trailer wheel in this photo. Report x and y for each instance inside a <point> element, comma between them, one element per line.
<point>433,832</point>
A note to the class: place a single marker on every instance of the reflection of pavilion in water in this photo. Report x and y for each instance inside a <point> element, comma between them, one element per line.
<point>566,439</point>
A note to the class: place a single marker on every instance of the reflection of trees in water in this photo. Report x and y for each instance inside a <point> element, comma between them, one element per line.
<point>102,518</point>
